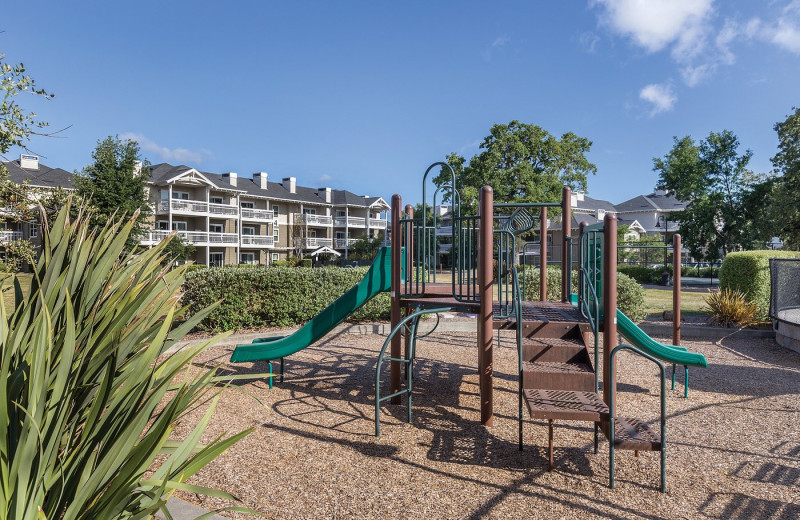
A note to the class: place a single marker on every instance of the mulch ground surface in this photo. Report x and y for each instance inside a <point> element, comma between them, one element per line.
<point>733,447</point>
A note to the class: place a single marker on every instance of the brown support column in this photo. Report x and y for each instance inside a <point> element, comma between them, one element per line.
<point>485,292</point>
<point>581,231</point>
<point>676,289</point>
<point>410,249</point>
<point>543,256</point>
<point>396,315</point>
<point>609,302</point>
<point>566,233</point>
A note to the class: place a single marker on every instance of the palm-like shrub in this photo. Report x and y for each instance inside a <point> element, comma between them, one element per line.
<point>86,399</point>
<point>730,307</point>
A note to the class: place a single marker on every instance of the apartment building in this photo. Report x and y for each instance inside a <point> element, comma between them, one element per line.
<point>239,220</point>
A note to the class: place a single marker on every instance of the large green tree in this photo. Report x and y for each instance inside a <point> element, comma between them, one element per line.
<point>713,179</point>
<point>114,183</point>
<point>522,163</point>
<point>787,189</point>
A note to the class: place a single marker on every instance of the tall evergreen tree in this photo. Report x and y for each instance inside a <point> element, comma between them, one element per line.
<point>787,192</point>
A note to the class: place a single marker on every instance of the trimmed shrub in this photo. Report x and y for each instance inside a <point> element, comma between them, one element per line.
<point>730,307</point>
<point>642,274</point>
<point>630,297</point>
<point>748,272</point>
<point>530,280</point>
<point>305,262</point>
<point>274,296</point>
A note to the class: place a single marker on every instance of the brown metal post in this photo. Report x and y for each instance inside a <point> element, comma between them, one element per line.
<point>581,228</point>
<point>410,252</point>
<point>609,302</point>
<point>676,289</point>
<point>566,233</point>
<point>543,256</point>
<point>395,294</point>
<point>485,353</point>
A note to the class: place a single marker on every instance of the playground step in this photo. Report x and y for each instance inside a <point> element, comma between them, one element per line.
<point>632,434</point>
<point>563,350</point>
<point>558,376</point>
<point>540,316</point>
<point>565,405</point>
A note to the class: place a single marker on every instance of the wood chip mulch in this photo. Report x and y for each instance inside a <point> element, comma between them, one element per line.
<point>733,447</point>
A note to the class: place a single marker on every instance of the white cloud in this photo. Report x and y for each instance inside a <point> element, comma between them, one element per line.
<point>178,155</point>
<point>495,46</point>
<point>693,76</point>
<point>589,41</point>
<point>661,96</point>
<point>655,24</point>
<point>324,178</point>
<point>783,32</point>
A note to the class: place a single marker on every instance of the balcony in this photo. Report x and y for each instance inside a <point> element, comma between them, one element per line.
<point>197,208</point>
<point>257,214</point>
<point>257,241</point>
<point>6,237</point>
<point>344,243</point>
<point>358,222</point>
<point>377,223</point>
<point>313,220</point>
<point>196,238</point>
<point>316,243</point>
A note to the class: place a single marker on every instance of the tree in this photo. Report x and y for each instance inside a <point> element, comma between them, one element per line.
<point>716,184</point>
<point>787,186</point>
<point>522,163</point>
<point>177,251</point>
<point>115,182</point>
<point>365,248</point>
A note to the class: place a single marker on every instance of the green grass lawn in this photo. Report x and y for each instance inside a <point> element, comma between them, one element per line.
<point>8,288</point>
<point>657,301</point>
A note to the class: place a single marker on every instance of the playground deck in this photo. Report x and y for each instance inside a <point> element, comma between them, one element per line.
<point>734,446</point>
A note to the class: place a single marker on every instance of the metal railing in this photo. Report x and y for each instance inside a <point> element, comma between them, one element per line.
<point>200,238</point>
<point>350,222</point>
<point>10,236</point>
<point>258,240</point>
<point>342,243</point>
<point>257,214</point>
<point>377,223</point>
<point>312,242</point>
<point>196,207</point>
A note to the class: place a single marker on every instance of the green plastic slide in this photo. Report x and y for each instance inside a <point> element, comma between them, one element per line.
<point>669,353</point>
<point>376,281</point>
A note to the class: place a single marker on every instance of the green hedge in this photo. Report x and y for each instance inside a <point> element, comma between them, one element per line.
<point>630,295</point>
<point>642,274</point>
<point>273,296</point>
<point>748,272</point>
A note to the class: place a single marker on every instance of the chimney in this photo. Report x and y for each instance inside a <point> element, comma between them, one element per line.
<point>29,162</point>
<point>659,193</point>
<point>290,183</point>
<point>325,193</point>
<point>231,177</point>
<point>260,178</point>
<point>580,196</point>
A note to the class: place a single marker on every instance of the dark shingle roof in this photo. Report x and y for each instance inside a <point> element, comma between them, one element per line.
<point>45,176</point>
<point>594,204</point>
<point>652,202</point>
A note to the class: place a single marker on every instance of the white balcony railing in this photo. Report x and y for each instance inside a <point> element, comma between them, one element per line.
<point>342,243</point>
<point>257,241</point>
<point>377,223</point>
<point>6,237</point>
<point>350,222</point>
<point>196,207</point>
<point>257,214</point>
<point>197,238</point>
<point>314,220</point>
<point>314,243</point>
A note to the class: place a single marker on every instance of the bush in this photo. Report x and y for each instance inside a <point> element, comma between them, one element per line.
<point>642,274</point>
<point>90,403</point>
<point>630,295</point>
<point>748,272</point>
<point>730,307</point>
<point>275,296</point>
<point>306,262</point>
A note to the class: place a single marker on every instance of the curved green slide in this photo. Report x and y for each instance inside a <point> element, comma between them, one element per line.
<point>669,353</point>
<point>376,281</point>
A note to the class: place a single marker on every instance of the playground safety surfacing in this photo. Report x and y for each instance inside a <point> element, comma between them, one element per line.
<point>733,453</point>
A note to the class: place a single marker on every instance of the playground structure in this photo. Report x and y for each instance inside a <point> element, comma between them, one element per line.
<point>557,342</point>
<point>784,304</point>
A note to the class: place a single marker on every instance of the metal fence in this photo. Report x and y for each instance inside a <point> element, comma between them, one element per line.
<point>784,302</point>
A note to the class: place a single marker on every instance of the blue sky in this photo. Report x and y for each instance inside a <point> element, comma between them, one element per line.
<point>365,95</point>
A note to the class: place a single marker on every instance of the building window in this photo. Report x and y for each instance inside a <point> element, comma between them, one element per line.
<point>34,230</point>
<point>162,225</point>
<point>340,235</point>
<point>248,205</point>
<point>216,259</point>
<point>248,258</point>
<point>276,209</point>
<point>312,233</point>
<point>216,200</point>
<point>216,228</point>
<point>275,257</point>
<point>341,213</point>
<point>309,211</point>
<point>179,226</point>
<point>180,195</point>
<point>164,195</point>
<point>275,234</point>
<point>248,230</point>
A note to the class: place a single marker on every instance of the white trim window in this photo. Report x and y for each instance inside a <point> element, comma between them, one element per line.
<point>276,234</point>
<point>276,209</point>
<point>248,230</point>
<point>248,205</point>
<point>216,259</point>
<point>248,259</point>
<point>216,228</point>
<point>179,225</point>
<point>180,195</point>
<point>216,200</point>
<point>276,257</point>
<point>33,230</point>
